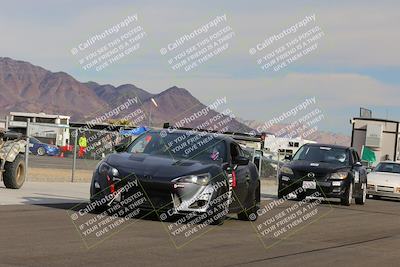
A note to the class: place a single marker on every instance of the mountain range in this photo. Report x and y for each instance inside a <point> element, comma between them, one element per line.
<point>28,88</point>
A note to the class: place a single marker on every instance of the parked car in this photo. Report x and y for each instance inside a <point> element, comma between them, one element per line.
<point>333,171</point>
<point>39,148</point>
<point>171,176</point>
<point>384,180</point>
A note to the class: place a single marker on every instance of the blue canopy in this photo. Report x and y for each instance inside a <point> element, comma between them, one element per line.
<point>135,131</point>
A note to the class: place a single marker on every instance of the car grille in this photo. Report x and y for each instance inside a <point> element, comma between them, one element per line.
<point>159,194</point>
<point>385,188</point>
<point>303,175</point>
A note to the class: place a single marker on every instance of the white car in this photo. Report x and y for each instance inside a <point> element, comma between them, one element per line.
<point>384,181</point>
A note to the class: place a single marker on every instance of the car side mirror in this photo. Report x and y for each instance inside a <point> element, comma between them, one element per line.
<point>120,147</point>
<point>240,160</point>
<point>358,164</point>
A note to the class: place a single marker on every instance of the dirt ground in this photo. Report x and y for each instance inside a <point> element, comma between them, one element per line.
<point>58,175</point>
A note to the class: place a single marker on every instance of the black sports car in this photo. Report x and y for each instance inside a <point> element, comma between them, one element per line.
<point>180,172</point>
<point>333,171</point>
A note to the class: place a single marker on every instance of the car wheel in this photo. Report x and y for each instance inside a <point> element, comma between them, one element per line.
<point>362,199</point>
<point>41,151</point>
<point>14,173</point>
<point>347,196</point>
<point>251,214</point>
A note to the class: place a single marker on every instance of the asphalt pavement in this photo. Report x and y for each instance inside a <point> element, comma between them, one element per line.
<point>44,235</point>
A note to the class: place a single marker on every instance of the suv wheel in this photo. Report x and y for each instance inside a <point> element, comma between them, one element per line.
<point>361,200</point>
<point>251,214</point>
<point>14,172</point>
<point>348,196</point>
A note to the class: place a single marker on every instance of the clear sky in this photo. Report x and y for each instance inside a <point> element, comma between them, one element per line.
<point>357,62</point>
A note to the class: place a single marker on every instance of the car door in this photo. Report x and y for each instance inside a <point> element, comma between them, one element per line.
<point>242,178</point>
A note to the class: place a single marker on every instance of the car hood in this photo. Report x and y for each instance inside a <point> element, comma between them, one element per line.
<point>158,167</point>
<point>384,178</point>
<point>316,167</point>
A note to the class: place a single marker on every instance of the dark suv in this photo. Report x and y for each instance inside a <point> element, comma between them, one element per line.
<point>333,171</point>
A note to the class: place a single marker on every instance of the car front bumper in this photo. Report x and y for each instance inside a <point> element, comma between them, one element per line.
<point>326,189</point>
<point>161,196</point>
<point>383,194</point>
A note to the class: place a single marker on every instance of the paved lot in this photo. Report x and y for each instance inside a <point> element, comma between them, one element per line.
<point>45,193</point>
<point>44,235</point>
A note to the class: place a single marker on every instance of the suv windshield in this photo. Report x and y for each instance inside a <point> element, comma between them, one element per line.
<point>186,145</point>
<point>323,154</point>
<point>388,167</point>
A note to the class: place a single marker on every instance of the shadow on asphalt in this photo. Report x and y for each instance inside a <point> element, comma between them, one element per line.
<point>150,215</point>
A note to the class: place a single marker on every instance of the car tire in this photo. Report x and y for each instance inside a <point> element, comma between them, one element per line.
<point>362,199</point>
<point>14,173</point>
<point>347,197</point>
<point>251,214</point>
<point>41,151</point>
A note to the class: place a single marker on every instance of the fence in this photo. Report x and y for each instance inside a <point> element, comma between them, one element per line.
<point>72,161</point>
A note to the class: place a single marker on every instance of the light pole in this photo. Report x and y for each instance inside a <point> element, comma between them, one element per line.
<point>151,107</point>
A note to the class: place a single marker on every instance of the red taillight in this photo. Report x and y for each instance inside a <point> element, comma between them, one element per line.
<point>233,179</point>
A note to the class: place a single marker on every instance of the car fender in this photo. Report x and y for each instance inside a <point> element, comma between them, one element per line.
<point>11,149</point>
<point>254,182</point>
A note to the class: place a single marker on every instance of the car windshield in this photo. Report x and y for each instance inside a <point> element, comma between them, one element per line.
<point>180,145</point>
<point>388,167</point>
<point>33,140</point>
<point>332,155</point>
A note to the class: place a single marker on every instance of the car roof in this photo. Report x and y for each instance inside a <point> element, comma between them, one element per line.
<point>328,145</point>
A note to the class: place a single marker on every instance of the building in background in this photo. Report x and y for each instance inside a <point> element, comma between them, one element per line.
<point>283,146</point>
<point>50,129</point>
<point>379,136</point>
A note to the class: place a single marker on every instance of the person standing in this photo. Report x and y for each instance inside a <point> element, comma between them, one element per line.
<point>82,146</point>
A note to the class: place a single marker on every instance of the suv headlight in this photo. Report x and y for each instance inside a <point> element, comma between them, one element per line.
<point>286,170</point>
<point>106,169</point>
<point>338,175</point>
<point>200,179</point>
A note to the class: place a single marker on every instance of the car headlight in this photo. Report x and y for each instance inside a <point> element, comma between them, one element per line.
<point>200,179</point>
<point>338,175</point>
<point>286,170</point>
<point>106,169</point>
